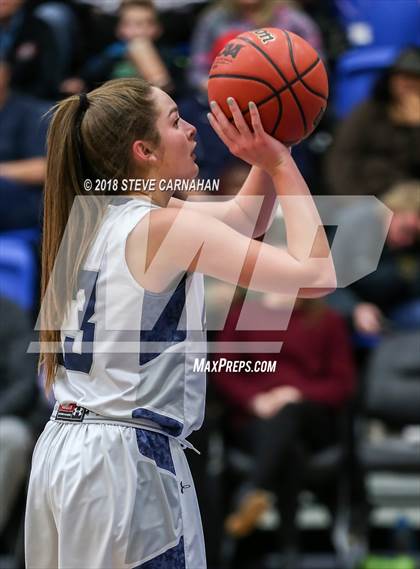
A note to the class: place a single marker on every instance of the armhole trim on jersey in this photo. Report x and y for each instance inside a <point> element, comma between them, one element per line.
<point>130,275</point>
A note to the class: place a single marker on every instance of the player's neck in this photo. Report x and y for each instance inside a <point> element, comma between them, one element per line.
<point>156,197</point>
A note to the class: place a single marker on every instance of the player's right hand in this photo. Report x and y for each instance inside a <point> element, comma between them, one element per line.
<point>254,146</point>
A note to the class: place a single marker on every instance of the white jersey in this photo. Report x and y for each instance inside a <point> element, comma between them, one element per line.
<point>129,353</point>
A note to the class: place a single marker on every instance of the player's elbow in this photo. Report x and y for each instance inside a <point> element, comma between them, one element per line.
<point>259,231</point>
<point>328,279</point>
<point>262,227</point>
<point>314,292</point>
<point>323,281</point>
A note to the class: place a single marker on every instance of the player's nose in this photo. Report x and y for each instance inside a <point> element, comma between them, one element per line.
<point>191,130</point>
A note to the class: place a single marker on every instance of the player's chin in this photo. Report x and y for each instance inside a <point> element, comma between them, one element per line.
<point>193,171</point>
<point>189,169</point>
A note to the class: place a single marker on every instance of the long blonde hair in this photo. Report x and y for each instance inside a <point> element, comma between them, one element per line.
<point>90,135</point>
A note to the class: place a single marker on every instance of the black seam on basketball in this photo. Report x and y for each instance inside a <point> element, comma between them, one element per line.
<point>236,76</point>
<point>285,87</point>
<point>279,115</point>
<point>274,94</point>
<point>292,60</point>
<point>310,89</point>
<point>298,75</point>
<point>308,70</point>
<point>279,71</point>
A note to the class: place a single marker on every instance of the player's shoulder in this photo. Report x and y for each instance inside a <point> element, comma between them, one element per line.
<point>180,225</point>
<point>184,218</point>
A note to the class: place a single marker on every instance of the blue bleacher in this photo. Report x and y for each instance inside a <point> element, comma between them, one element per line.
<point>380,22</point>
<point>30,235</point>
<point>377,31</point>
<point>18,271</point>
<point>355,74</point>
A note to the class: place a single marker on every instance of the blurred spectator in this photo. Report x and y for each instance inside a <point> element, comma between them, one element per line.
<point>230,17</point>
<point>108,7</point>
<point>377,145</point>
<point>391,294</point>
<point>176,4</point>
<point>60,16</point>
<point>279,416</point>
<point>22,151</point>
<point>112,6</point>
<point>179,18</point>
<point>18,394</point>
<point>133,54</point>
<point>29,44</point>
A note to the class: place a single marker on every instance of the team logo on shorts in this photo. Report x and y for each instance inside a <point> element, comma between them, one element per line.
<point>71,412</point>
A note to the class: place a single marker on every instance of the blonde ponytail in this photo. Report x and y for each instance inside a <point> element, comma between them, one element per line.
<point>88,135</point>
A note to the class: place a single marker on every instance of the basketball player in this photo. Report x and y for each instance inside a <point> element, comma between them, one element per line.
<point>110,485</point>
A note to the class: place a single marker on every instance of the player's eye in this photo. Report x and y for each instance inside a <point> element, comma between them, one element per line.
<point>176,123</point>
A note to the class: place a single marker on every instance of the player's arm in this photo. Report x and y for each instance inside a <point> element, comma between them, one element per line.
<point>250,212</point>
<point>230,256</point>
<point>305,232</point>
<point>182,240</point>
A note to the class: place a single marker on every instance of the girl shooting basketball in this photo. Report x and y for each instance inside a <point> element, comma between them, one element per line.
<point>110,485</point>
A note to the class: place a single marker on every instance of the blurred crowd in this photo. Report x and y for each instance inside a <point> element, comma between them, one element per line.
<point>349,366</point>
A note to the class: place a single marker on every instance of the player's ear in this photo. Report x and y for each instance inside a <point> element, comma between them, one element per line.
<point>144,152</point>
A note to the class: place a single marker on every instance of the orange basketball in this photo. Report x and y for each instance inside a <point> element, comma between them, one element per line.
<point>281,73</point>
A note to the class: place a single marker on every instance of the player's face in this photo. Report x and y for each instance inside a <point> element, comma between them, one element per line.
<point>176,158</point>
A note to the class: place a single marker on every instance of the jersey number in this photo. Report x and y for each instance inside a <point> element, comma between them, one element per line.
<point>83,362</point>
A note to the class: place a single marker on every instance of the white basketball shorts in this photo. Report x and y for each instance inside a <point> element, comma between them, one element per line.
<point>106,496</point>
